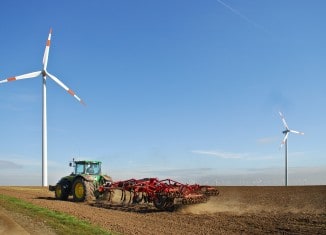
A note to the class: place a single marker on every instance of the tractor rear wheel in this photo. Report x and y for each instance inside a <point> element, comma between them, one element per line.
<point>82,190</point>
<point>61,191</point>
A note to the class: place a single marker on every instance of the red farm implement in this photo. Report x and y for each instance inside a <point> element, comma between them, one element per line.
<point>164,194</point>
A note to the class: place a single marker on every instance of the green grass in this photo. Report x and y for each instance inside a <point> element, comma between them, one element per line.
<point>59,222</point>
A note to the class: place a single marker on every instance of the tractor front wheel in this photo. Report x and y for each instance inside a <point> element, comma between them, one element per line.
<point>82,190</point>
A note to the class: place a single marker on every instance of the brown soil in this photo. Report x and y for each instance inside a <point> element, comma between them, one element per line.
<point>237,210</point>
<point>12,223</point>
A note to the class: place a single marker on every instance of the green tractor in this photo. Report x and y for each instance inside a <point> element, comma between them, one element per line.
<point>83,183</point>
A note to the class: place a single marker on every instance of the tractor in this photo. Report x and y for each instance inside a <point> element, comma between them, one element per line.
<point>87,183</point>
<point>83,183</point>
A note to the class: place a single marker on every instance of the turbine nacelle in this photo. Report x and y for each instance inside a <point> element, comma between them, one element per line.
<point>285,132</point>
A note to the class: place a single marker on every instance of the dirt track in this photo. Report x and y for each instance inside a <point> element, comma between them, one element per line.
<point>237,210</point>
<point>8,225</point>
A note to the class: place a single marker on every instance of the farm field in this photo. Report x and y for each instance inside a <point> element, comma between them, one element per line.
<point>237,210</point>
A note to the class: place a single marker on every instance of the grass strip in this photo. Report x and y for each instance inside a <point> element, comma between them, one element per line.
<point>59,222</point>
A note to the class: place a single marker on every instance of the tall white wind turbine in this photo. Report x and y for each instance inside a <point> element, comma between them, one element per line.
<point>285,143</point>
<point>44,74</point>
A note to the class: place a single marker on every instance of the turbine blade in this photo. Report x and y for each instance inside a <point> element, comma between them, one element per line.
<point>71,92</point>
<point>296,132</point>
<point>283,120</point>
<point>20,77</point>
<point>47,50</point>
<point>285,138</point>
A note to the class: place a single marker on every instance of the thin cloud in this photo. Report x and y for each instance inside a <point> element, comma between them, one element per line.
<point>9,165</point>
<point>228,155</point>
<point>18,102</point>
<point>244,17</point>
<point>263,157</point>
<point>225,155</point>
<point>267,140</point>
<point>180,171</point>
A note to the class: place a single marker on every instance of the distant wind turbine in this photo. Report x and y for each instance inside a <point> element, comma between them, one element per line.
<point>285,142</point>
<point>44,73</point>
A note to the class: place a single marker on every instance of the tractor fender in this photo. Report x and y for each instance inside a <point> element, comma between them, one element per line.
<point>65,180</point>
<point>107,178</point>
<point>85,177</point>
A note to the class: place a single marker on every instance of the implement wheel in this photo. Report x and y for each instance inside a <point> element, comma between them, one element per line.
<point>163,202</point>
<point>82,190</point>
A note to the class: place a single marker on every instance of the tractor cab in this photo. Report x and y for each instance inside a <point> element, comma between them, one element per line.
<point>86,167</point>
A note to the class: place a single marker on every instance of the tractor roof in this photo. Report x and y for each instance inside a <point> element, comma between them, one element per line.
<point>85,161</point>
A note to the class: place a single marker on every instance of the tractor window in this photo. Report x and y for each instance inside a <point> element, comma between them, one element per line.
<point>80,169</point>
<point>93,169</point>
<point>97,169</point>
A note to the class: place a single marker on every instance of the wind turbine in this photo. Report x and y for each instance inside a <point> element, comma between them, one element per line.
<point>44,73</point>
<point>285,142</point>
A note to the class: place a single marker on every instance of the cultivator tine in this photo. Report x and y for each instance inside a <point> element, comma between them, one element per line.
<point>130,197</point>
<point>123,196</point>
<point>144,197</point>
<point>110,196</point>
<point>147,198</point>
<point>136,198</point>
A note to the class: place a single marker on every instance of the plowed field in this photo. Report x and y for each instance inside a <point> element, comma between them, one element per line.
<point>237,210</point>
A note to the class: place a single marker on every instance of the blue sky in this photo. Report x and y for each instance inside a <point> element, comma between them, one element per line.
<point>184,89</point>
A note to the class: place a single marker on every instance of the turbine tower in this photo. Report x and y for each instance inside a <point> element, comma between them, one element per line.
<point>285,143</point>
<point>44,74</point>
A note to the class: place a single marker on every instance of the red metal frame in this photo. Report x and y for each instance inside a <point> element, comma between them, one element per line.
<point>165,194</point>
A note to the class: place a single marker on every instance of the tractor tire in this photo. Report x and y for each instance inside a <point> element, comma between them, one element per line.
<point>82,190</point>
<point>61,191</point>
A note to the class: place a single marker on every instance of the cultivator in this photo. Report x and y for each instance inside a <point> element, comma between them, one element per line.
<point>163,194</point>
